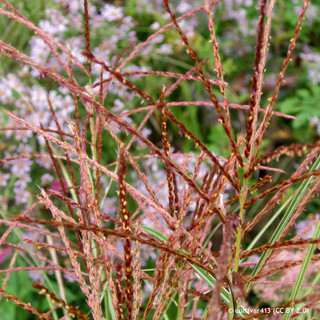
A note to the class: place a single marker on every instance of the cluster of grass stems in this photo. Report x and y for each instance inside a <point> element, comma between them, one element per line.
<point>112,282</point>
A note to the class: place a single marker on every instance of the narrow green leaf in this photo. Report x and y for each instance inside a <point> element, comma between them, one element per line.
<point>110,313</point>
<point>208,278</point>
<point>303,270</point>
<point>299,194</point>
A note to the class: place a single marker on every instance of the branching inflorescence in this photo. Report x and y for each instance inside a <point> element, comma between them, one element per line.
<point>130,221</point>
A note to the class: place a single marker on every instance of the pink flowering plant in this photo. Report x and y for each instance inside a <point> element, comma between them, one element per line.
<point>159,160</point>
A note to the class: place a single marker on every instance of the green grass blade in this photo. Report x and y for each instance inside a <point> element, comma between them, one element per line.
<point>17,233</point>
<point>299,194</point>
<point>208,278</point>
<point>268,224</point>
<point>303,270</point>
<point>110,313</point>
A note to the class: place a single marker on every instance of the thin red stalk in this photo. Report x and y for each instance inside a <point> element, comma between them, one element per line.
<point>206,185</point>
<point>136,266</point>
<point>127,229</point>
<point>274,98</point>
<point>306,229</point>
<point>187,74</point>
<point>218,63</point>
<point>280,283</point>
<point>282,184</point>
<point>50,41</point>
<point>73,179</point>
<point>155,34</point>
<point>222,266</point>
<point>187,156</point>
<point>8,274</point>
<point>35,229</point>
<point>167,289</point>
<point>166,147</point>
<point>10,270</point>
<point>206,82</point>
<point>47,129</point>
<point>167,93</point>
<point>87,32</point>
<point>290,150</point>
<point>161,273</point>
<point>283,267</point>
<point>120,78</point>
<point>99,142</point>
<point>27,306</point>
<point>283,244</point>
<point>135,166</point>
<point>86,184</point>
<point>160,73</point>
<point>275,199</point>
<point>42,258</point>
<point>214,207</point>
<point>312,192</point>
<point>72,311</point>
<point>204,103</point>
<point>142,238</point>
<point>260,183</point>
<point>256,87</point>
<point>57,170</point>
<point>12,52</point>
<point>63,250</point>
<point>75,100</point>
<point>70,148</point>
<point>93,300</point>
<point>104,88</point>
<point>7,233</point>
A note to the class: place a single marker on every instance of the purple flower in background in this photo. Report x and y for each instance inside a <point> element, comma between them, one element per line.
<point>4,253</point>
<point>155,26</point>
<point>14,82</point>
<point>45,162</point>
<point>184,7</point>
<point>312,62</point>
<point>24,149</point>
<point>110,206</point>
<point>23,135</point>
<point>39,51</point>
<point>46,179</point>
<point>148,253</point>
<point>69,276</point>
<point>4,178</point>
<point>39,117</point>
<point>111,13</point>
<point>57,186</point>
<point>302,225</point>
<point>22,181</point>
<point>5,92</point>
<point>164,49</point>
<point>21,166</point>
<point>21,195</point>
<point>36,275</point>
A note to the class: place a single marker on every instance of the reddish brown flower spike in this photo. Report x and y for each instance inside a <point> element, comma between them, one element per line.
<point>126,226</point>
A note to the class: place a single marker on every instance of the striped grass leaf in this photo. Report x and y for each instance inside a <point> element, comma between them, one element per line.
<point>208,278</point>
<point>298,196</point>
<point>304,267</point>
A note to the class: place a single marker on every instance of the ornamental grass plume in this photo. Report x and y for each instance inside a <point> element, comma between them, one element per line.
<point>128,223</point>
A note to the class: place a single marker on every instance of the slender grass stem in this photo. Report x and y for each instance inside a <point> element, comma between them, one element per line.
<point>304,267</point>
<point>242,200</point>
<point>281,226</point>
